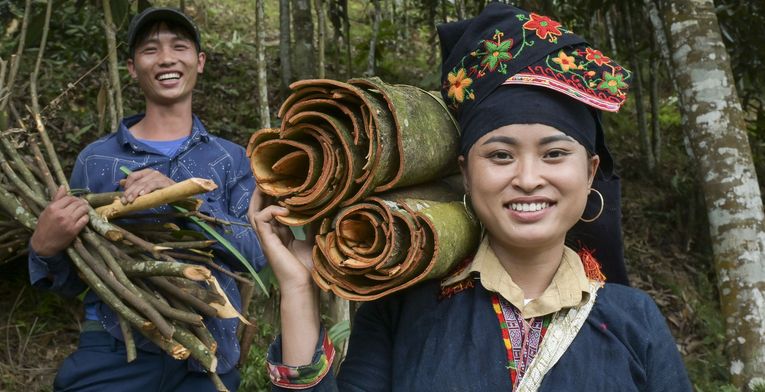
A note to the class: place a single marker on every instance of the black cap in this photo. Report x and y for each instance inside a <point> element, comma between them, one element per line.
<point>153,14</point>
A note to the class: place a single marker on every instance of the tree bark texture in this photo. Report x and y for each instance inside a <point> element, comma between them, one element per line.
<point>340,142</point>
<point>321,31</point>
<point>111,45</point>
<point>260,22</point>
<point>285,41</point>
<point>390,242</point>
<point>304,59</point>
<point>719,141</point>
<point>376,17</point>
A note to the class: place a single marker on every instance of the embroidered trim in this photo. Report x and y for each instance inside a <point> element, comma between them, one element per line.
<point>493,55</point>
<point>562,331</point>
<point>300,377</point>
<point>458,280</point>
<point>521,345</point>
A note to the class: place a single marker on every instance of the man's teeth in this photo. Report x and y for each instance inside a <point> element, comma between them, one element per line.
<point>171,75</point>
<point>528,207</point>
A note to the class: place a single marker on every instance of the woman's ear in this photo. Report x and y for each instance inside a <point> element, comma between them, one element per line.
<point>592,168</point>
<point>462,162</point>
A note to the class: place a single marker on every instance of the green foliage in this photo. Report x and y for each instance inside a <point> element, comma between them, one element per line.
<point>254,372</point>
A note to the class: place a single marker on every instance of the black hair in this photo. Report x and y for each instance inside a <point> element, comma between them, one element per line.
<point>151,28</point>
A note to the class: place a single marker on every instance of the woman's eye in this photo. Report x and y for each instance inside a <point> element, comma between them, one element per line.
<point>556,154</point>
<point>500,156</point>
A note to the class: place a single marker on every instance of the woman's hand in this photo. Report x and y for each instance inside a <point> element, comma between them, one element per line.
<point>291,262</point>
<point>289,258</point>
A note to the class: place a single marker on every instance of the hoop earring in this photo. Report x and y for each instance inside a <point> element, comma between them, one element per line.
<point>602,206</point>
<point>471,213</point>
<point>468,209</point>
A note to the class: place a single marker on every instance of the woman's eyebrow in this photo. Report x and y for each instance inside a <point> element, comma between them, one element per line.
<point>501,139</point>
<point>556,138</point>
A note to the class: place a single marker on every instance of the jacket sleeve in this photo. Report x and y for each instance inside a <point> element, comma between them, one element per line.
<point>233,208</point>
<point>366,367</point>
<point>665,369</point>
<point>56,273</point>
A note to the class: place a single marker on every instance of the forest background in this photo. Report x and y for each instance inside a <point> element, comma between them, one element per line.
<point>670,250</point>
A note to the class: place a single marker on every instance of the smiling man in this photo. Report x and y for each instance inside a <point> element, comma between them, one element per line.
<point>162,146</point>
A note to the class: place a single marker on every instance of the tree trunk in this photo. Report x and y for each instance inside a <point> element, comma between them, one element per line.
<point>717,134</point>
<point>260,23</point>
<point>347,35</point>
<point>637,89</point>
<point>655,126</point>
<point>304,54</point>
<point>322,32</point>
<point>284,47</point>
<point>373,41</point>
<point>111,44</point>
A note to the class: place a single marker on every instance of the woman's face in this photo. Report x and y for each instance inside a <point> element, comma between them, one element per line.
<point>528,184</point>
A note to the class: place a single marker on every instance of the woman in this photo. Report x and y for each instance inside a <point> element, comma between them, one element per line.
<point>525,312</point>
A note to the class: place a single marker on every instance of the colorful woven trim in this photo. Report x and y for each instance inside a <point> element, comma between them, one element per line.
<point>458,280</point>
<point>583,74</point>
<point>522,346</point>
<point>307,376</point>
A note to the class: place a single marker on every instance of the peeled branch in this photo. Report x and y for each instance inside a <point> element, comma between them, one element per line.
<point>173,193</point>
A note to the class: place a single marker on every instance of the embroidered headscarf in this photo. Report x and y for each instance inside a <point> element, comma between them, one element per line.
<point>509,66</point>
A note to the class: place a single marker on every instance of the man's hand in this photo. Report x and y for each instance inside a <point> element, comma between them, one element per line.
<point>143,182</point>
<point>59,223</point>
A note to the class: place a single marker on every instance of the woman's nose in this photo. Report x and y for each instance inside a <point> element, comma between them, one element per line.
<point>527,175</point>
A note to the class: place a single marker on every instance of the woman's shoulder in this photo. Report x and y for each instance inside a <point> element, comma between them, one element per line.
<point>624,304</point>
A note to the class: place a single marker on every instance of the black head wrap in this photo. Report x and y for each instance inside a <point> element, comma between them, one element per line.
<point>508,66</point>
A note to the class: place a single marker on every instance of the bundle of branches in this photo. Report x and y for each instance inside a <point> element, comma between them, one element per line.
<point>13,238</point>
<point>340,142</point>
<point>158,289</point>
<point>392,241</point>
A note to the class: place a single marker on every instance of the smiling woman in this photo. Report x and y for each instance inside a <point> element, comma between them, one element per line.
<point>525,312</point>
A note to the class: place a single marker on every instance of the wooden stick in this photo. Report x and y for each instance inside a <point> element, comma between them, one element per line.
<point>219,385</point>
<point>44,170</point>
<point>133,299</point>
<point>165,309</point>
<point>164,268</point>
<point>188,244</point>
<point>106,294</point>
<point>16,58</point>
<point>127,334</point>
<point>175,192</point>
<point>174,291</point>
<point>20,165</point>
<point>101,199</point>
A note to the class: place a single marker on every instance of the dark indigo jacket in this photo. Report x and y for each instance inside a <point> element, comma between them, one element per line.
<point>412,341</point>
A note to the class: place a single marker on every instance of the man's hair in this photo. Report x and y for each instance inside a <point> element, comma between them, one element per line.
<point>152,28</point>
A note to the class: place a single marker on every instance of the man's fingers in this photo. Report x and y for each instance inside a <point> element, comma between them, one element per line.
<point>60,193</point>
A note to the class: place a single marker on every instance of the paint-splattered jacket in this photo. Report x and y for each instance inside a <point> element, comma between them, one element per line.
<point>203,155</point>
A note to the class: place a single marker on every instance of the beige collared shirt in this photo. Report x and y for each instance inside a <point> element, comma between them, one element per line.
<point>569,286</point>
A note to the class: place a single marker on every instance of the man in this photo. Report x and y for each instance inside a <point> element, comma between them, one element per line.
<point>165,145</point>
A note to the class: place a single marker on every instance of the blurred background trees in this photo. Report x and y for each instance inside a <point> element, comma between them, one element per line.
<point>663,141</point>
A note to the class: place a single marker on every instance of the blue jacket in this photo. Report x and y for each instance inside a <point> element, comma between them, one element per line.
<point>203,155</point>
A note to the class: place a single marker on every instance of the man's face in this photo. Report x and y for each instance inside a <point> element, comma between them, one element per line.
<point>166,67</point>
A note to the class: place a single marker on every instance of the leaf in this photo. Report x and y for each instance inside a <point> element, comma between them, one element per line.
<point>339,332</point>
<point>223,241</point>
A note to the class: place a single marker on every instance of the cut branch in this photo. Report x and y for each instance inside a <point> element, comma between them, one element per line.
<point>172,193</point>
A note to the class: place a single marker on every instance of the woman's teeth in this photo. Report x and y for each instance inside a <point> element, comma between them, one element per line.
<point>528,207</point>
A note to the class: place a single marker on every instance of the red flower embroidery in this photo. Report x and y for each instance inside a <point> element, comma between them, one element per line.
<point>543,26</point>
<point>596,56</point>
